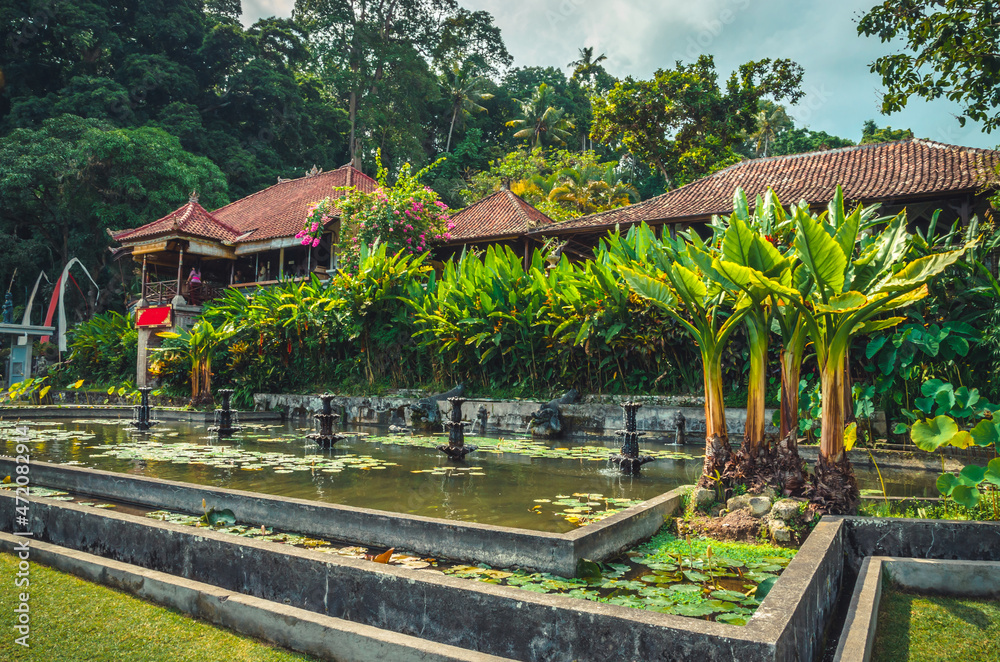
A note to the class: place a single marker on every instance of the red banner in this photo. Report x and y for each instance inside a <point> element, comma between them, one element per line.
<point>149,317</point>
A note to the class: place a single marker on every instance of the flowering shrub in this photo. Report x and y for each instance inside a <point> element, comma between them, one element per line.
<point>319,214</point>
<point>405,217</point>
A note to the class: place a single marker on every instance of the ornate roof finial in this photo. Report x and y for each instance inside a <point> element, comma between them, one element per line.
<point>194,198</point>
<point>315,171</point>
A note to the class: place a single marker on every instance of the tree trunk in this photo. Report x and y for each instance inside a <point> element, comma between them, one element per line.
<point>454,115</point>
<point>352,142</point>
<point>753,434</point>
<point>791,365</point>
<point>717,449</point>
<point>831,444</point>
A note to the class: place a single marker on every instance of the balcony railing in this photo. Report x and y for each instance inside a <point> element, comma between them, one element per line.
<point>161,293</point>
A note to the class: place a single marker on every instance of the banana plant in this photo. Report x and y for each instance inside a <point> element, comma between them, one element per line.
<point>850,277</point>
<point>670,274</point>
<point>200,344</point>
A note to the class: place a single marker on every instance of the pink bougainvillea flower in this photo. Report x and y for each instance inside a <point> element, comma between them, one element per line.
<point>315,242</point>
<point>306,241</point>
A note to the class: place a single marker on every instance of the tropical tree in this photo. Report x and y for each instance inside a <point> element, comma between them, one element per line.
<point>771,119</point>
<point>464,91</point>
<point>949,50</point>
<point>541,123</point>
<point>199,345</point>
<point>669,273</point>
<point>683,122</point>
<point>592,188</point>
<point>849,275</point>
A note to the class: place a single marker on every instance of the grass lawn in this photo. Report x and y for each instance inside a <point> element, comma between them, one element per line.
<point>916,628</point>
<point>73,620</point>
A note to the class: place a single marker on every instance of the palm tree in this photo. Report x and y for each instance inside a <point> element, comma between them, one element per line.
<point>592,188</point>
<point>465,92</point>
<point>541,122</point>
<point>587,65</point>
<point>771,119</point>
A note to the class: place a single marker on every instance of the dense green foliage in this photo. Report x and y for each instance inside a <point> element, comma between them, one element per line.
<point>104,349</point>
<point>950,51</point>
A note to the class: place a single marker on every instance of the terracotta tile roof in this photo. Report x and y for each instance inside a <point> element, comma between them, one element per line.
<point>280,210</point>
<point>192,219</point>
<point>500,214</point>
<point>895,171</point>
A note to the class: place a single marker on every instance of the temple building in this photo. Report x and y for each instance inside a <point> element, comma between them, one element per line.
<point>921,176</point>
<point>500,218</point>
<point>192,255</point>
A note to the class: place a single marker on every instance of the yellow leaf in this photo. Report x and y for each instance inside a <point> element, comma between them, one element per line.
<point>111,390</point>
<point>850,436</point>
<point>121,390</point>
<point>962,439</point>
<point>43,392</point>
<point>6,480</point>
<point>384,556</point>
<point>77,384</point>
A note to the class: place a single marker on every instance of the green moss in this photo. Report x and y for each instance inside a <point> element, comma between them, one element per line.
<point>914,628</point>
<point>664,546</point>
<point>72,619</point>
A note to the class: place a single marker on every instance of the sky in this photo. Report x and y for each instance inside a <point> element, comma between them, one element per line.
<point>641,36</point>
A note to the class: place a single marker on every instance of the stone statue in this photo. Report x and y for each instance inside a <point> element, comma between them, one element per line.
<point>482,417</point>
<point>425,412</point>
<point>680,425</point>
<point>8,309</point>
<point>547,421</point>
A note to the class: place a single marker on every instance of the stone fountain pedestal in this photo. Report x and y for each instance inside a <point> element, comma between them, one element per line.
<point>225,417</point>
<point>326,437</point>
<point>628,459</point>
<point>141,420</point>
<point>456,450</point>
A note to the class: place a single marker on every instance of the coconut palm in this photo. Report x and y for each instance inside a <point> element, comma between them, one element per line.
<point>585,67</point>
<point>541,123</point>
<point>771,120</point>
<point>592,188</point>
<point>464,90</point>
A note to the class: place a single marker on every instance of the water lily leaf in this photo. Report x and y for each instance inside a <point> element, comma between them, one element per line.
<point>985,433</point>
<point>587,569</point>
<point>972,475</point>
<point>993,471</point>
<point>732,619</point>
<point>966,496</point>
<point>764,588</point>
<point>220,517</point>
<point>946,483</point>
<point>929,435</point>
<point>685,588</point>
<point>731,596</point>
<point>695,576</point>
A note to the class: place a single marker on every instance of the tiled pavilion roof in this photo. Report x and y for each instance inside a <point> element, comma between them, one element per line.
<point>500,214</point>
<point>888,172</point>
<point>192,219</point>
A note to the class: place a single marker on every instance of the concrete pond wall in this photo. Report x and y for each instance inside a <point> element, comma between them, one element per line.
<point>499,546</point>
<point>497,620</point>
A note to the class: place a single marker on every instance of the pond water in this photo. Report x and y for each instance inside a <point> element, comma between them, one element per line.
<point>513,481</point>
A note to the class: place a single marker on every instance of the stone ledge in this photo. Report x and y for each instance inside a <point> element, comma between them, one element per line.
<point>297,629</point>
<point>498,620</point>
<point>966,579</point>
<point>557,553</point>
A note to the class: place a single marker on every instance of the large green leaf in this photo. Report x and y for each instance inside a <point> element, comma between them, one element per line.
<point>946,483</point>
<point>993,471</point>
<point>820,253</point>
<point>846,302</point>
<point>929,435</point>
<point>653,289</point>
<point>923,269</point>
<point>985,433</point>
<point>966,496</point>
<point>972,474</point>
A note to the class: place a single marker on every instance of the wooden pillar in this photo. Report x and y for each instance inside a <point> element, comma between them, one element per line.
<point>142,290</point>
<point>333,253</point>
<point>527,254</point>
<point>281,263</point>
<point>179,300</point>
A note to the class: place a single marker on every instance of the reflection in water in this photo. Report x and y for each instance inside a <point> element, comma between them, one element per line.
<point>493,488</point>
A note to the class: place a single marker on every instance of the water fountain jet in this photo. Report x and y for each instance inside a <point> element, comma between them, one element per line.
<point>628,459</point>
<point>141,420</point>
<point>456,449</point>
<point>326,437</point>
<point>226,418</point>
